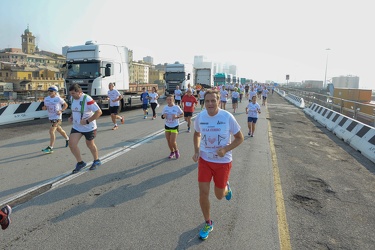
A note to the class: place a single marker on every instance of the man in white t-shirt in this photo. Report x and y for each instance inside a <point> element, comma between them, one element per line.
<point>177,96</point>
<point>213,152</point>
<point>114,105</point>
<point>85,111</point>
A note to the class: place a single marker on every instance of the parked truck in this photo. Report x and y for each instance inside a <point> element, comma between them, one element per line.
<point>93,66</point>
<point>181,74</point>
<point>220,79</point>
<point>204,77</point>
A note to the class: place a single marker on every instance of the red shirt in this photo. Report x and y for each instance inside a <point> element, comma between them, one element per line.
<point>189,103</point>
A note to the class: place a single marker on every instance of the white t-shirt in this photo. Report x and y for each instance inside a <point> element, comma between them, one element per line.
<point>169,113</point>
<point>251,94</point>
<point>177,94</point>
<point>223,95</point>
<point>215,133</point>
<point>89,109</point>
<point>252,109</point>
<point>113,95</point>
<point>265,92</point>
<point>53,105</point>
<point>201,94</point>
<point>235,94</point>
<point>153,96</point>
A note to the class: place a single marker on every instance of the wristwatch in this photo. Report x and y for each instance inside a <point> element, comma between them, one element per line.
<point>87,121</point>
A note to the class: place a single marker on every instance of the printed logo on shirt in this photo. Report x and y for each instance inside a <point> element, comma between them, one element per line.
<point>220,122</point>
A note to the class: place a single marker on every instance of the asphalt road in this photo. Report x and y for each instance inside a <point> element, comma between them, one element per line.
<point>139,199</point>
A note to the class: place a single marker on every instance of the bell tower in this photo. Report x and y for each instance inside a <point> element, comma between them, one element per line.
<point>28,42</point>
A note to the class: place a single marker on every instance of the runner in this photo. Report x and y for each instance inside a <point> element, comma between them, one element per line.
<point>5,217</point>
<point>145,100</point>
<point>114,105</point>
<point>171,113</point>
<point>201,97</point>
<point>85,111</point>
<point>252,111</point>
<point>55,106</point>
<point>178,95</point>
<point>223,97</point>
<point>213,152</point>
<point>235,96</point>
<point>189,102</point>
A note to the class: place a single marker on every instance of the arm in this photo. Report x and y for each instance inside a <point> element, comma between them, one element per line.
<point>196,142</point>
<point>64,107</point>
<point>238,139</point>
<point>95,116</point>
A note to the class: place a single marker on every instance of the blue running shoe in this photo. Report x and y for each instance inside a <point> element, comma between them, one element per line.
<point>95,164</point>
<point>47,150</point>
<point>79,166</point>
<point>206,230</point>
<point>228,196</point>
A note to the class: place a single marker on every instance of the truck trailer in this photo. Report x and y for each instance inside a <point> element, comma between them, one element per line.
<point>93,66</point>
<point>204,77</point>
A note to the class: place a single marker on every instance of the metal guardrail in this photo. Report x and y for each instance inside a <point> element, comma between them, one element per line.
<point>361,112</point>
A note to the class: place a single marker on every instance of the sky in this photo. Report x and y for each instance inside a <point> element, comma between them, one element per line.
<point>265,39</point>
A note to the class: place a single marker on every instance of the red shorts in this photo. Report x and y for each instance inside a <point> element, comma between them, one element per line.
<point>218,171</point>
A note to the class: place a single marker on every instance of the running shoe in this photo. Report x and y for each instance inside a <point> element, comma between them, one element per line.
<point>47,150</point>
<point>171,155</point>
<point>248,133</point>
<point>252,135</point>
<point>122,119</point>
<point>66,143</point>
<point>153,118</point>
<point>228,196</point>
<point>188,130</point>
<point>5,220</point>
<point>95,164</point>
<point>206,230</point>
<point>177,154</point>
<point>115,127</point>
<point>79,166</point>
<point>144,117</point>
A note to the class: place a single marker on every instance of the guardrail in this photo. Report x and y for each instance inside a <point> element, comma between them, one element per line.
<point>362,112</point>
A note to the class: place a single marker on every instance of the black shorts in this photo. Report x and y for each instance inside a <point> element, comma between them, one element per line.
<point>144,106</point>
<point>234,100</point>
<point>178,102</point>
<point>55,122</point>
<point>88,135</point>
<point>114,109</point>
<point>188,114</point>
<point>201,101</point>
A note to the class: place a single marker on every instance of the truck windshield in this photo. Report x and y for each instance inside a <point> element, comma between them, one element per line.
<point>83,70</point>
<point>174,76</point>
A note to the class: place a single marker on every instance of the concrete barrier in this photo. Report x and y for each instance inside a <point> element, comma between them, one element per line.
<point>296,100</point>
<point>20,112</point>
<point>344,129</point>
<point>364,140</point>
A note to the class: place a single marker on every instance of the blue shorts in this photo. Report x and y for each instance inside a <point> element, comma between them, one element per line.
<point>144,106</point>
<point>252,119</point>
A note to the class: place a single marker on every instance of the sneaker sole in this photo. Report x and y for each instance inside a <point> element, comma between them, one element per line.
<point>205,238</point>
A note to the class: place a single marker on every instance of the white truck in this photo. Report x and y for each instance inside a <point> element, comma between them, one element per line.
<point>93,66</point>
<point>204,77</point>
<point>181,74</point>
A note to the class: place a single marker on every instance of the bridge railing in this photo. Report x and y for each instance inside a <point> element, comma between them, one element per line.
<point>363,112</point>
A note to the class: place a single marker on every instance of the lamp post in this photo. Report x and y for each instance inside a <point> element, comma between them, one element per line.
<point>325,75</point>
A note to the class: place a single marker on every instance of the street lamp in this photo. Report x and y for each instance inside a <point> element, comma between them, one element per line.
<point>325,75</point>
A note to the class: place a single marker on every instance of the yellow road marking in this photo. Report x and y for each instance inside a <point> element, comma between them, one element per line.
<point>284,236</point>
